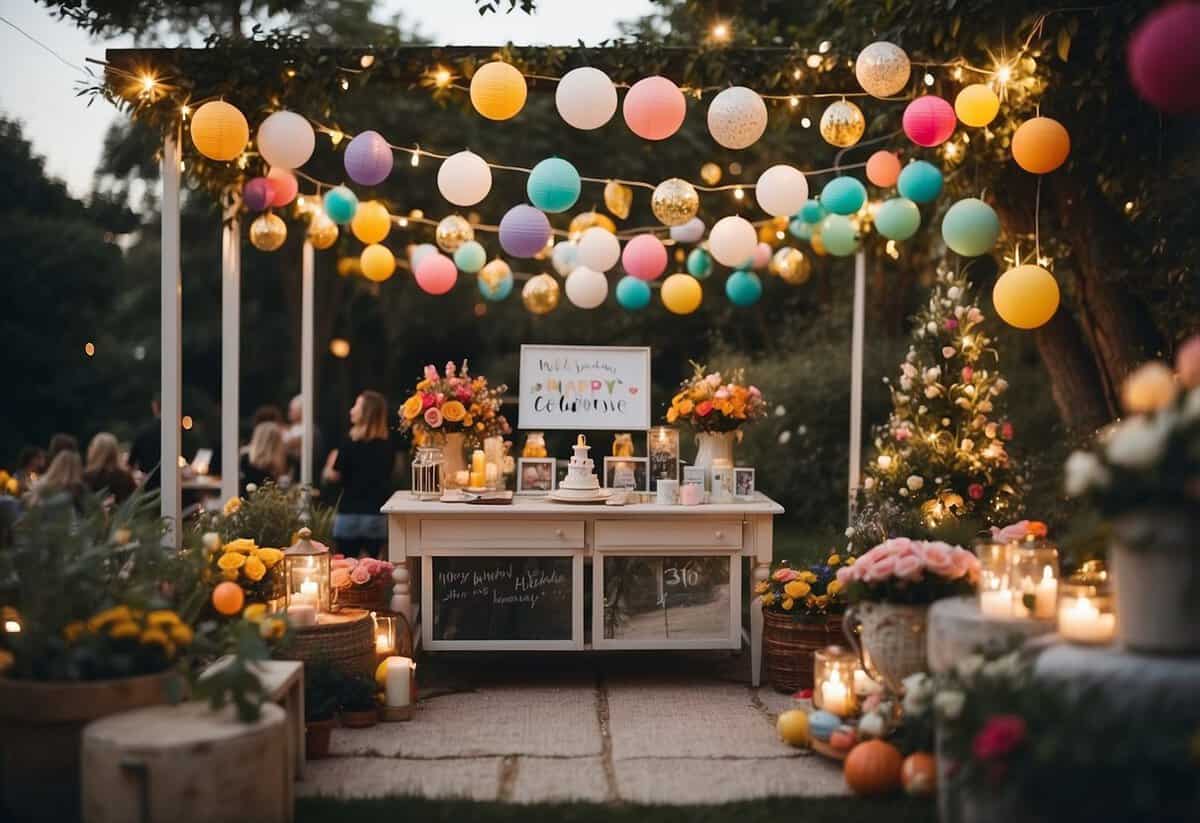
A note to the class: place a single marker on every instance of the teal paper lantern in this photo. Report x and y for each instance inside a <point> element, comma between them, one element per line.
<point>970,227</point>
<point>699,263</point>
<point>470,257</point>
<point>553,185</point>
<point>898,218</point>
<point>843,195</point>
<point>633,294</point>
<point>812,212</point>
<point>800,229</point>
<point>920,182</point>
<point>838,235</point>
<point>496,286</point>
<point>743,288</point>
<point>340,205</point>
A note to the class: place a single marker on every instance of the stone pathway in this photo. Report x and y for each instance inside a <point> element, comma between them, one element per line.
<point>661,728</point>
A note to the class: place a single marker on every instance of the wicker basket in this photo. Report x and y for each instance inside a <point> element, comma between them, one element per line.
<point>788,646</point>
<point>345,640</point>
<point>372,598</point>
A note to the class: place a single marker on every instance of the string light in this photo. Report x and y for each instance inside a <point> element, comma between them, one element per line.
<point>813,61</point>
<point>720,32</point>
<point>1128,206</point>
<point>416,157</point>
<point>339,348</point>
<point>89,348</point>
<point>148,81</point>
<point>928,79</point>
<point>797,74</point>
<point>184,111</point>
<point>402,222</point>
<point>12,626</point>
<point>805,122</point>
<point>187,422</point>
<point>951,151</point>
<point>893,251</point>
<point>738,193</point>
<point>824,46</point>
<point>794,101</point>
<point>366,61</point>
<point>345,84</point>
<point>442,77</point>
<point>1003,73</point>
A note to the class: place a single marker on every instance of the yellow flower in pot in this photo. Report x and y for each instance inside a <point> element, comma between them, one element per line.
<point>231,561</point>
<point>254,568</point>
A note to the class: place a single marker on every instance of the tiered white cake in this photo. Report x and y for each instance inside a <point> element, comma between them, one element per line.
<point>581,481</point>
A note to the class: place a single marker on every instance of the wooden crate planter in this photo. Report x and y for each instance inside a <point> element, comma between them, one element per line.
<point>788,646</point>
<point>345,640</point>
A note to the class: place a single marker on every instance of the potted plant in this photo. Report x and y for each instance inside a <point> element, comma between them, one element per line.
<point>1144,476</point>
<point>363,583</point>
<point>322,692</point>
<point>357,704</point>
<point>716,409</point>
<point>802,613</point>
<point>891,588</point>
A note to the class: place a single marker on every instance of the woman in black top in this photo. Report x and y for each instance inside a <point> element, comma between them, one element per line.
<point>104,469</point>
<point>362,464</point>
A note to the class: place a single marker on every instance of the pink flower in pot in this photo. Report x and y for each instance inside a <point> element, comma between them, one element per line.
<point>433,418</point>
<point>360,576</point>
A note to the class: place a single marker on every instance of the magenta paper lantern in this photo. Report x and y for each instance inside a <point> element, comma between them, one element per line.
<point>368,159</point>
<point>285,186</point>
<point>257,194</point>
<point>654,108</point>
<point>645,257</point>
<point>436,273</point>
<point>524,231</point>
<point>929,121</point>
<point>1164,61</point>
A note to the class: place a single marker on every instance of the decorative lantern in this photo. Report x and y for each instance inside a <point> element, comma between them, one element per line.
<point>1033,578</point>
<point>1085,615</point>
<point>995,597</point>
<point>306,573</point>
<point>664,454</point>
<point>385,635</point>
<point>833,681</point>
<point>427,473</point>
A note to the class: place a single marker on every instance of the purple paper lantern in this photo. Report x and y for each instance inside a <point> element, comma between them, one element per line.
<point>258,193</point>
<point>368,159</point>
<point>524,231</point>
<point>1164,61</point>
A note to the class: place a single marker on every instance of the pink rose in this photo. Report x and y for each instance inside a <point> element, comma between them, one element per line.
<point>431,373</point>
<point>463,394</point>
<point>909,567</point>
<point>968,374</point>
<point>433,417</point>
<point>1011,532</point>
<point>938,559</point>
<point>975,491</point>
<point>754,392</point>
<point>951,324</point>
<point>428,401</point>
<point>339,578</point>
<point>341,563</point>
<point>360,575</point>
<point>965,564</point>
<point>784,575</point>
<point>847,574</point>
<point>880,570</point>
<point>450,368</point>
<point>714,379</point>
<point>722,394</point>
<point>902,435</point>
<point>1006,430</point>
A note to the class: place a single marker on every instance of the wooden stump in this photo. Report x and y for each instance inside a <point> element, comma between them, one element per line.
<point>345,640</point>
<point>187,764</point>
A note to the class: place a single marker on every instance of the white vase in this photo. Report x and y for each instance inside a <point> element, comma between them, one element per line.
<point>893,636</point>
<point>712,446</point>
<point>1156,570</point>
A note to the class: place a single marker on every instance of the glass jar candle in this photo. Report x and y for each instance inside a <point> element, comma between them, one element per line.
<point>834,681</point>
<point>535,445</point>
<point>1033,578</point>
<point>995,596</point>
<point>306,573</point>
<point>385,634</point>
<point>1086,615</point>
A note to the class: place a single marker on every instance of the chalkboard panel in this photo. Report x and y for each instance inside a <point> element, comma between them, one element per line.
<point>670,598</point>
<point>502,599</point>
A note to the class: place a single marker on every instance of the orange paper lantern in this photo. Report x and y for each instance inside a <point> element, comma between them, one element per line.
<point>228,597</point>
<point>1041,145</point>
<point>873,768</point>
<point>883,168</point>
<point>498,90</point>
<point>219,130</point>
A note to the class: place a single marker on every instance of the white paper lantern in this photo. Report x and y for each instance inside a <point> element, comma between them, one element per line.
<point>464,178</point>
<point>599,249</point>
<point>882,69</point>
<point>781,190</point>
<point>565,257</point>
<point>737,117</point>
<point>586,288</point>
<point>586,98</point>
<point>286,140</point>
<point>690,232</point>
<point>732,241</point>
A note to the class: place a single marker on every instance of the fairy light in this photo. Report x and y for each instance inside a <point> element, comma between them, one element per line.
<point>813,61</point>
<point>345,84</point>
<point>12,626</point>
<point>186,422</point>
<point>928,79</point>
<point>805,122</point>
<point>794,101</point>
<point>780,235</point>
<point>89,348</point>
<point>1003,73</point>
<point>1128,206</point>
<point>336,136</point>
<point>739,193</point>
<point>402,222</point>
<point>366,61</point>
<point>339,347</point>
<point>720,32</point>
<point>824,46</point>
<point>442,77</point>
<point>416,158</point>
<point>893,251</point>
<point>957,74</point>
<point>148,82</point>
<point>797,74</point>
<point>184,111</point>
<point>951,151</point>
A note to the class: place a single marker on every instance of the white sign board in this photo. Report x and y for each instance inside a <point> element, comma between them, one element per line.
<point>583,388</point>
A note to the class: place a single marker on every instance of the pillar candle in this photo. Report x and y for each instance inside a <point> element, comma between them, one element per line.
<point>691,494</point>
<point>835,697</point>
<point>399,676</point>
<point>1046,595</point>
<point>1080,621</point>
<point>997,603</point>
<point>478,461</point>
<point>462,477</point>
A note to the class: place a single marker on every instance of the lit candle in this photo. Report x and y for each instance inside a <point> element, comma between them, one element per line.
<point>835,697</point>
<point>302,614</point>
<point>996,603</point>
<point>1081,621</point>
<point>1019,597</point>
<point>381,643</point>
<point>307,595</point>
<point>398,684</point>
<point>478,461</point>
<point>492,472</point>
<point>462,477</point>
<point>1046,596</point>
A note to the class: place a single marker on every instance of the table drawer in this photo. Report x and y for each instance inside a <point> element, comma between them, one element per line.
<point>502,534</point>
<point>675,531</point>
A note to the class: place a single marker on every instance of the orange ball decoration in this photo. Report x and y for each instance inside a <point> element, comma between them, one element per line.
<point>883,168</point>
<point>228,597</point>
<point>918,774</point>
<point>873,768</point>
<point>1041,145</point>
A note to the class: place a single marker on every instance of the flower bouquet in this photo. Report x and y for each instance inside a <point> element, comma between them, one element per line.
<point>801,614</point>
<point>454,403</point>
<point>813,591</point>
<point>710,403</point>
<point>257,569</point>
<point>360,582</point>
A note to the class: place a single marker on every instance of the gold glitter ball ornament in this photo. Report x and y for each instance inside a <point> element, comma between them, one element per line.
<point>618,198</point>
<point>582,222</point>
<point>495,273</point>
<point>674,202</point>
<point>843,124</point>
<point>882,69</point>
<point>541,294</point>
<point>267,232</point>
<point>791,265</point>
<point>322,232</point>
<point>710,173</point>
<point>452,232</point>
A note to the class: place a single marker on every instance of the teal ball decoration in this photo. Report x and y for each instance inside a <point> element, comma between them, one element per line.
<point>920,182</point>
<point>970,227</point>
<point>839,235</point>
<point>633,294</point>
<point>898,218</point>
<point>743,288</point>
<point>340,205</point>
<point>495,289</point>
<point>843,195</point>
<point>699,263</point>
<point>800,228</point>
<point>553,185</point>
<point>822,724</point>
<point>812,212</point>
<point>470,257</point>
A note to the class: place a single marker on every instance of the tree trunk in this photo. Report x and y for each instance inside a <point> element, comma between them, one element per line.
<point>1074,380</point>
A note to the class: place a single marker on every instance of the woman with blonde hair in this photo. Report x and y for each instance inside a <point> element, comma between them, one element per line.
<point>104,469</point>
<point>62,482</point>
<point>363,464</point>
<point>266,460</point>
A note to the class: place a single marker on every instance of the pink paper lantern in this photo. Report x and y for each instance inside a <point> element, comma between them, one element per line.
<point>761,257</point>
<point>644,257</point>
<point>258,193</point>
<point>654,108</point>
<point>436,273</point>
<point>929,121</point>
<point>1164,62</point>
<point>285,186</point>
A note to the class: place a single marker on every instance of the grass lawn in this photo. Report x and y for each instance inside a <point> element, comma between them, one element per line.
<point>773,810</point>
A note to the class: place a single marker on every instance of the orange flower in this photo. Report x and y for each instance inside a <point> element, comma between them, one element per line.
<point>454,411</point>
<point>686,406</point>
<point>412,407</point>
<point>1037,528</point>
<point>672,414</point>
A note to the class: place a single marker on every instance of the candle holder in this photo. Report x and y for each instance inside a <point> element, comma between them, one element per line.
<point>427,470</point>
<point>1033,578</point>
<point>535,445</point>
<point>306,573</point>
<point>389,713</point>
<point>663,449</point>
<point>834,681</point>
<point>995,596</point>
<point>1086,615</point>
<point>385,635</point>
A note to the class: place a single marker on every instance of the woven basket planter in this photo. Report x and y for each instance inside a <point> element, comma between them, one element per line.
<point>788,645</point>
<point>345,640</point>
<point>372,598</point>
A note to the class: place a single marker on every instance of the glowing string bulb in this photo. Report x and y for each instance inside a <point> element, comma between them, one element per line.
<point>814,60</point>
<point>1004,73</point>
<point>739,193</point>
<point>416,158</point>
<point>928,79</point>
<point>824,47</point>
<point>441,78</point>
<point>720,32</point>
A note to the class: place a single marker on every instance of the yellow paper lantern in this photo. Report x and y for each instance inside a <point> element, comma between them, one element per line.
<point>498,90</point>
<point>541,294</point>
<point>322,232</point>
<point>219,130</point>
<point>977,105</point>
<point>1026,296</point>
<point>371,222</point>
<point>267,232</point>
<point>582,222</point>
<point>377,262</point>
<point>1041,145</point>
<point>681,294</point>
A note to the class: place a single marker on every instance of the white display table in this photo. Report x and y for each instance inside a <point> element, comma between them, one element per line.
<point>511,577</point>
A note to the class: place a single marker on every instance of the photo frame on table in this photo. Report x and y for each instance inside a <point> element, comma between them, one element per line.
<point>743,483</point>
<point>536,475</point>
<point>618,469</point>
<point>695,474</point>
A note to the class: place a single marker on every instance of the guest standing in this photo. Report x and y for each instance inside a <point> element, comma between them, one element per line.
<point>62,482</point>
<point>104,469</point>
<point>62,442</point>
<point>293,435</point>
<point>266,460</point>
<point>362,464</point>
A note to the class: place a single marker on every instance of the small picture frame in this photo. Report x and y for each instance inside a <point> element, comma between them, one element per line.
<point>697,475</point>
<point>629,473</point>
<point>536,475</point>
<point>743,483</point>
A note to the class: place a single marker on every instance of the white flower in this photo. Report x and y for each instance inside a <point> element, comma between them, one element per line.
<point>849,531</point>
<point>780,411</point>
<point>985,406</point>
<point>872,725</point>
<point>918,691</point>
<point>1138,443</point>
<point>954,292</point>
<point>901,397</point>
<point>932,374</point>
<point>990,430</point>
<point>904,492</point>
<point>915,482</point>
<point>1002,667</point>
<point>922,409</point>
<point>906,382</point>
<point>911,357</point>
<point>932,392</point>
<point>931,327</point>
<point>949,704</point>
<point>967,444</point>
<point>968,667</point>
<point>1084,471</point>
<point>784,437</point>
<point>869,483</point>
<point>908,369</point>
<point>1000,385</point>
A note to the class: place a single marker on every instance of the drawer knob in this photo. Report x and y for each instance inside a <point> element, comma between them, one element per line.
<point>559,533</point>
<point>720,535</point>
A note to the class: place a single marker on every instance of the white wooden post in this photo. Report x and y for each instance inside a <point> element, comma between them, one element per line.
<point>856,377</point>
<point>171,361</point>
<point>231,289</point>
<point>307,332</point>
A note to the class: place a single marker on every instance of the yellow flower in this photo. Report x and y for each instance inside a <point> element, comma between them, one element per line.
<point>4,475</point>
<point>154,636</point>
<point>243,545</point>
<point>272,628</point>
<point>254,569</point>
<point>468,420</point>
<point>231,561</point>
<point>686,406</point>
<point>229,574</point>
<point>672,414</point>
<point>124,628</point>
<point>807,576</point>
<point>101,619</point>
<point>411,408</point>
<point>821,601</point>
<point>12,486</point>
<point>162,618</point>
<point>72,630</point>
<point>423,385</point>
<point>254,612</point>
<point>181,634</point>
<point>788,603</point>
<point>834,587</point>
<point>797,589</point>
<point>454,411</point>
<point>850,560</point>
<point>270,557</point>
<point>833,560</point>
<point>762,588</point>
<point>232,506</point>
<point>768,599</point>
